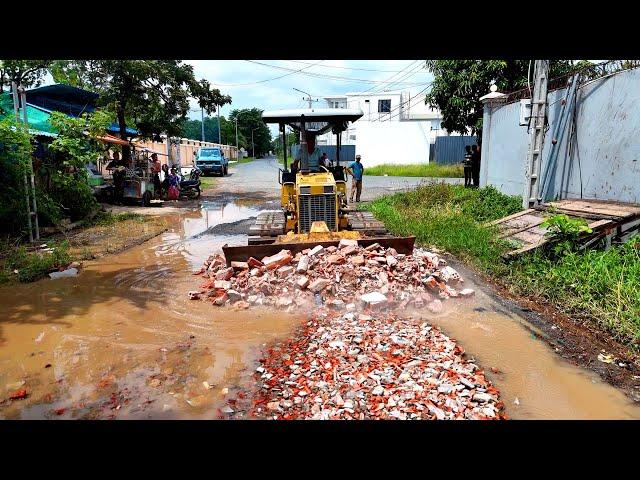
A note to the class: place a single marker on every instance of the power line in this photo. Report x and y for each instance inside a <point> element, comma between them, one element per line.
<point>349,68</point>
<point>411,64</point>
<point>400,105</point>
<point>268,79</point>
<point>335,77</point>
<point>407,75</point>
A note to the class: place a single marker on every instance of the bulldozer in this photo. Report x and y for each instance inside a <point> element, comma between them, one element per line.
<point>313,198</point>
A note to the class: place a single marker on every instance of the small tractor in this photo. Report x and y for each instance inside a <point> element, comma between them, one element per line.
<point>314,208</point>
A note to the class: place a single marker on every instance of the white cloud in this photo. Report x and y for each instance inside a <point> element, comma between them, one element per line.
<point>280,93</point>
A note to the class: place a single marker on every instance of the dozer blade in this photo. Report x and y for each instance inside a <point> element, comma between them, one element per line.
<point>241,254</point>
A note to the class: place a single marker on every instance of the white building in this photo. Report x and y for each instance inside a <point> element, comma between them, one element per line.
<point>397,127</point>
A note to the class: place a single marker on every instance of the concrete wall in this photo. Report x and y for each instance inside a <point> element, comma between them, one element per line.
<point>601,161</point>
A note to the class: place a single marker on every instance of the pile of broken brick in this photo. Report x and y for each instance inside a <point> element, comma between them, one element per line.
<point>356,358</point>
<point>367,367</point>
<point>332,276</point>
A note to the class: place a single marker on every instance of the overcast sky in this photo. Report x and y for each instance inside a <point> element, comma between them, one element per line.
<point>263,89</point>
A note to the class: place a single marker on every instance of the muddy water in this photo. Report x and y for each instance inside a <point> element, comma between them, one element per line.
<point>122,340</point>
<point>534,382</point>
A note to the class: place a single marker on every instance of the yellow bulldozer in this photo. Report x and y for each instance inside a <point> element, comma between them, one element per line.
<point>313,197</point>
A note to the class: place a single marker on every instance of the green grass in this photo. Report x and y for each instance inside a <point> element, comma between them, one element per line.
<point>32,266</point>
<point>244,160</point>
<point>207,182</point>
<point>104,219</point>
<point>600,286</point>
<point>416,170</point>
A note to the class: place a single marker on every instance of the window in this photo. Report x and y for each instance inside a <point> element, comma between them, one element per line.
<point>352,137</point>
<point>384,106</point>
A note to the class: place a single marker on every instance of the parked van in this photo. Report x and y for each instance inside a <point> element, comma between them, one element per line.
<point>212,160</point>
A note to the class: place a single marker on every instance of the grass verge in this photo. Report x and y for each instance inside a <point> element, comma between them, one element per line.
<point>416,170</point>
<point>600,286</point>
<point>18,264</point>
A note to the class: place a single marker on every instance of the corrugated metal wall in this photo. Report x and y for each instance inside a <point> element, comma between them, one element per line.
<point>450,150</point>
<point>347,152</point>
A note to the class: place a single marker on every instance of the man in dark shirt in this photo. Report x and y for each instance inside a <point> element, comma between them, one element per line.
<point>475,165</point>
<point>467,166</point>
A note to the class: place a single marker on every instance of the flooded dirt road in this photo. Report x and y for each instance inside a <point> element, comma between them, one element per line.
<point>122,340</point>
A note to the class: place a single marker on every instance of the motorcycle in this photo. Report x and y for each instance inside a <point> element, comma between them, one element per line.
<point>191,188</point>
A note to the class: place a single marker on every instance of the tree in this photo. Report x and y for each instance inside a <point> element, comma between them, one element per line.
<point>459,84</point>
<point>64,171</point>
<point>251,120</point>
<point>193,129</point>
<point>27,73</point>
<point>154,93</point>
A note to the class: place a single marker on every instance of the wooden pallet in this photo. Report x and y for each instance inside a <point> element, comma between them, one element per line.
<point>607,220</point>
<point>366,223</point>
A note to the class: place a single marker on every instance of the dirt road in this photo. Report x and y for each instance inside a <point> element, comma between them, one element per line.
<point>260,177</point>
<point>122,339</point>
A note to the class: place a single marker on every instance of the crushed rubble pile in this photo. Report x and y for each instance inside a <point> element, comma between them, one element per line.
<point>356,358</point>
<point>346,276</point>
<point>350,366</point>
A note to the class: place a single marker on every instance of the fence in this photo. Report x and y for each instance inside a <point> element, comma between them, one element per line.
<point>591,147</point>
<point>450,150</point>
<point>187,149</point>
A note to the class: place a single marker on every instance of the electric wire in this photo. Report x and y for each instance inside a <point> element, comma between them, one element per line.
<point>350,68</point>
<point>332,77</point>
<point>292,72</point>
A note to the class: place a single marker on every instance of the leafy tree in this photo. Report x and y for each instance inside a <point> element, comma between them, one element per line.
<point>15,151</point>
<point>27,73</point>
<point>193,129</point>
<point>459,84</point>
<point>154,93</point>
<point>251,120</point>
<point>65,185</point>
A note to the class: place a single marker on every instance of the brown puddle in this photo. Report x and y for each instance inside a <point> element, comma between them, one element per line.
<point>545,385</point>
<point>124,341</point>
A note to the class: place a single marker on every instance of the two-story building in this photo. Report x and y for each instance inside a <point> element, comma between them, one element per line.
<point>397,126</point>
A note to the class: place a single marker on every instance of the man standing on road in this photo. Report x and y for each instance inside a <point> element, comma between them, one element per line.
<point>467,166</point>
<point>475,165</point>
<point>356,170</point>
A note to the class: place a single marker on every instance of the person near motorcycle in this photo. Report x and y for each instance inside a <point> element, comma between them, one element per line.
<point>174,185</point>
<point>156,168</point>
<point>164,186</point>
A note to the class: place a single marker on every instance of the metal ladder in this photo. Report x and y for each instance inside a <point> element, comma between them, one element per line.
<point>532,195</point>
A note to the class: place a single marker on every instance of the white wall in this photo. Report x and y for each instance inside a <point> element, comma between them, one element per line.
<point>395,143</point>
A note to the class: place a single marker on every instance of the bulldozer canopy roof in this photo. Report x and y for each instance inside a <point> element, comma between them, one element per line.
<point>317,120</point>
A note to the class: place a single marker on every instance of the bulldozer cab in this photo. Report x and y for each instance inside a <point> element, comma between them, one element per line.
<point>313,196</point>
<point>312,123</point>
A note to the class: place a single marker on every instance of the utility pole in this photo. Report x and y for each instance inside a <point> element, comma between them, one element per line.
<point>202,121</point>
<point>308,99</point>
<point>23,98</point>
<point>531,197</point>
<point>16,109</point>
<point>219,137</point>
<point>253,145</point>
<point>237,150</point>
